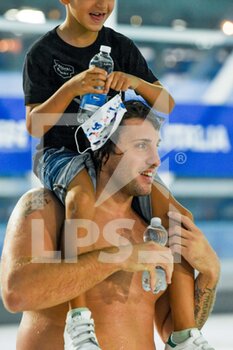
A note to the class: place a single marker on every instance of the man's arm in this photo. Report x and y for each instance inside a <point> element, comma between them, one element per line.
<point>191,243</point>
<point>28,284</point>
<point>205,295</point>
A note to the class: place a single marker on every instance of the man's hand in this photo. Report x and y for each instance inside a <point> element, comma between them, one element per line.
<point>186,239</point>
<point>146,256</point>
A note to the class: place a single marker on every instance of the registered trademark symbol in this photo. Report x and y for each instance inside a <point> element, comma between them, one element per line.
<point>180,158</point>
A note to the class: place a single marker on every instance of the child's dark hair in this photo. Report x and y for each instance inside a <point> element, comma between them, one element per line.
<point>135,109</point>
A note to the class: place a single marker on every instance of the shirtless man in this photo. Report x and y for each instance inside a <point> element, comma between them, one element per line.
<point>124,314</point>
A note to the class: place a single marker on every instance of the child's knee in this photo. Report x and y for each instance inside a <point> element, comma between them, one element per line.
<point>79,202</point>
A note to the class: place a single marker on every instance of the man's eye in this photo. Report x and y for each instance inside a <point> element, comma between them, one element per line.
<point>141,145</point>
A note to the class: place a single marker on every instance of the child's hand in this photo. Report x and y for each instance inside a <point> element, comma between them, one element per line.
<point>120,81</point>
<point>90,81</point>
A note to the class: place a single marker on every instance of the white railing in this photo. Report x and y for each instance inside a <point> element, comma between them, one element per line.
<point>144,33</point>
<point>25,28</point>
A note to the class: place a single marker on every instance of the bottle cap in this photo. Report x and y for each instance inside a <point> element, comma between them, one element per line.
<point>104,48</point>
<point>155,222</point>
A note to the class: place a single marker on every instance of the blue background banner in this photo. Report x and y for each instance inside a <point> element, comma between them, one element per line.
<point>196,140</point>
<point>15,143</point>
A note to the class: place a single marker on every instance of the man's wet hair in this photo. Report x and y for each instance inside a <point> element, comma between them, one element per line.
<point>135,109</point>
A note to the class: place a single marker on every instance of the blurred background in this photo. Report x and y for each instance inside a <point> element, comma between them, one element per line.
<point>189,47</point>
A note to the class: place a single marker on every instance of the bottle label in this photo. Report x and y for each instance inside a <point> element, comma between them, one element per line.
<point>103,62</point>
<point>93,101</point>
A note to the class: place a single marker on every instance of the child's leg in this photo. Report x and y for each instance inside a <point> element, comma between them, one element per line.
<point>181,291</point>
<point>56,169</point>
<point>79,204</point>
<point>80,198</point>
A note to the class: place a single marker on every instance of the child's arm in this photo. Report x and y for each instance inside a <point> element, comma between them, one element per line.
<point>42,117</point>
<point>154,93</point>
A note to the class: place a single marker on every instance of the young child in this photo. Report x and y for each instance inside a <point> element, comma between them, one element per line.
<point>55,76</point>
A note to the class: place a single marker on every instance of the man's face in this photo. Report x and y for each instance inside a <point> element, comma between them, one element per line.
<point>132,168</point>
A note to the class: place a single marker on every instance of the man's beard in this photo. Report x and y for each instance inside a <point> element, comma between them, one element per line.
<point>135,189</point>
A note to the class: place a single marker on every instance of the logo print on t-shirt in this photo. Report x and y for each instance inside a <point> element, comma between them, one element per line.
<point>64,70</point>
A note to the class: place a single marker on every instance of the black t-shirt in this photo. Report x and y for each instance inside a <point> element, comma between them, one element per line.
<point>51,62</point>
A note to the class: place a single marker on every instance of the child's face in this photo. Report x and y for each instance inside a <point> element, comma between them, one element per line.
<point>90,14</point>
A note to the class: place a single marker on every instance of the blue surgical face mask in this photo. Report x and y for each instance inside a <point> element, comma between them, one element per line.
<point>102,124</point>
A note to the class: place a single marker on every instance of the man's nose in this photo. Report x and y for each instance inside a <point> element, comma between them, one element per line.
<point>154,158</point>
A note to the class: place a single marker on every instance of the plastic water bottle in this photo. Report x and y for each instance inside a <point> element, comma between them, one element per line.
<point>91,102</point>
<point>157,233</point>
